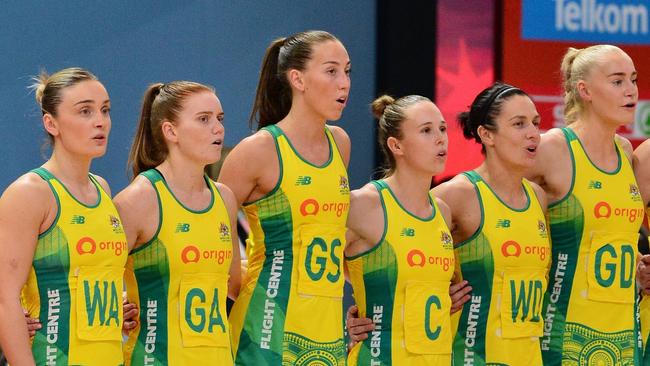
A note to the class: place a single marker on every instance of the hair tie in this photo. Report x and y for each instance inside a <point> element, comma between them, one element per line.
<point>486,107</point>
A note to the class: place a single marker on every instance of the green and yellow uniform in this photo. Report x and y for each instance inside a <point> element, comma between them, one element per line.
<point>506,262</point>
<point>179,280</point>
<point>76,280</point>
<point>402,284</point>
<point>644,314</point>
<point>590,306</point>
<point>289,310</point>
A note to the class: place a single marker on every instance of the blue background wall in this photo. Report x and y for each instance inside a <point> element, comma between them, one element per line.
<point>129,45</point>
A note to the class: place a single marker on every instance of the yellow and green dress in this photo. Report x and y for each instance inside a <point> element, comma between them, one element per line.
<point>289,310</point>
<point>590,306</point>
<point>644,314</point>
<point>75,284</point>
<point>179,280</point>
<point>402,284</point>
<point>506,262</point>
<point>644,319</point>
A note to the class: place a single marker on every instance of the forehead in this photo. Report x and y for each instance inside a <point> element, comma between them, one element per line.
<point>91,90</point>
<point>517,105</point>
<point>330,50</point>
<point>202,101</point>
<point>614,62</point>
<point>422,112</point>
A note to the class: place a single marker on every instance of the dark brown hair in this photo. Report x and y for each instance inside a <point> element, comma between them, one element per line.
<point>485,108</point>
<point>273,95</point>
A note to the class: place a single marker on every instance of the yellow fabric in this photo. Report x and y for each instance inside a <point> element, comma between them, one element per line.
<point>612,216</point>
<point>517,253</point>
<point>402,284</point>
<point>191,255</point>
<point>91,239</point>
<point>206,326</point>
<point>295,263</point>
<point>100,283</point>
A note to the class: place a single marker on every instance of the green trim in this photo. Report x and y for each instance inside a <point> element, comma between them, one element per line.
<point>45,175</point>
<point>618,153</point>
<point>378,186</point>
<point>334,143</point>
<point>523,209</point>
<point>152,176</point>
<point>51,176</point>
<point>202,211</point>
<point>422,219</point>
<point>272,130</point>
<point>568,136</point>
<point>479,229</point>
<point>329,142</point>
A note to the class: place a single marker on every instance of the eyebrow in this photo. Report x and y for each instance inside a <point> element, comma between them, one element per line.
<point>335,63</point>
<point>519,116</point>
<point>91,101</point>
<point>621,74</point>
<point>430,123</point>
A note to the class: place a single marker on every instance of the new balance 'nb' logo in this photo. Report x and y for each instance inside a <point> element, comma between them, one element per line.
<point>407,231</point>
<point>182,228</point>
<point>594,184</point>
<point>303,180</point>
<point>503,223</point>
<point>78,219</point>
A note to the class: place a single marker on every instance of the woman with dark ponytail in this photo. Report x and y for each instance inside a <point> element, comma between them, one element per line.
<point>291,179</point>
<point>500,233</point>
<point>53,222</point>
<point>595,213</point>
<point>180,225</point>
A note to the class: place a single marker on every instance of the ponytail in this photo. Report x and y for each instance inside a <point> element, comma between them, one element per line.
<point>145,152</point>
<point>576,66</point>
<point>273,95</point>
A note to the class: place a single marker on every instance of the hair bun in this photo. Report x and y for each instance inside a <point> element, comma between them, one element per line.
<point>38,86</point>
<point>379,105</point>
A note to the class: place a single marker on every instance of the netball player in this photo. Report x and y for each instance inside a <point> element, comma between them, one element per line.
<point>291,179</point>
<point>185,259</point>
<point>595,212</point>
<point>399,256</point>
<point>498,225</point>
<point>62,240</point>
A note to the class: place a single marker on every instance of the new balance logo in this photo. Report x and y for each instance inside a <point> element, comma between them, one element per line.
<point>303,180</point>
<point>182,228</point>
<point>594,184</point>
<point>503,223</point>
<point>78,220</point>
<point>407,231</point>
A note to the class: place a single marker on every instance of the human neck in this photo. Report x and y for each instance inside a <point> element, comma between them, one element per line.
<point>182,175</point>
<point>69,168</point>
<point>412,190</point>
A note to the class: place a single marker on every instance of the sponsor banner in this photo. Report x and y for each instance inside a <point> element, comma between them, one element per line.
<point>531,50</point>
<point>594,21</point>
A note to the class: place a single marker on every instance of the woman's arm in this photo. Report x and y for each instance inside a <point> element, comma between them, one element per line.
<point>24,207</point>
<point>234,281</point>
